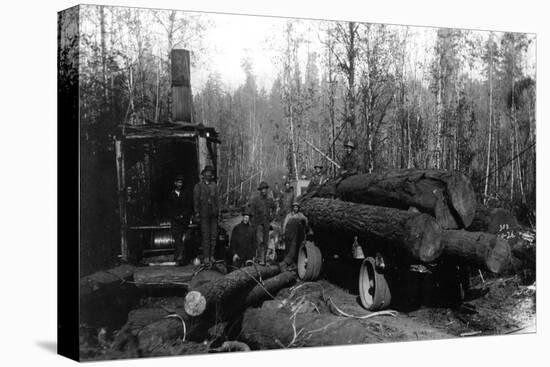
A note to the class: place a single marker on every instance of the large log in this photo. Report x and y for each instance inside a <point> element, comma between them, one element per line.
<point>163,276</point>
<point>268,328</point>
<point>106,280</point>
<point>446,195</point>
<point>415,234</point>
<point>476,248</point>
<point>271,285</point>
<point>495,221</point>
<point>211,298</point>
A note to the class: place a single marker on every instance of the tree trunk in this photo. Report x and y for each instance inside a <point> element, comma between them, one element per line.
<point>213,298</point>
<point>105,280</point>
<point>163,276</point>
<point>415,234</point>
<point>494,221</point>
<point>264,328</point>
<point>490,125</point>
<point>169,328</point>
<point>477,249</point>
<point>272,285</point>
<point>449,196</point>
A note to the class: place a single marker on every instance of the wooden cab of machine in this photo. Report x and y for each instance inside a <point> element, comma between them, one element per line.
<point>149,157</point>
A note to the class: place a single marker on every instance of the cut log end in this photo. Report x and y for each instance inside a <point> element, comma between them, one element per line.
<point>499,256</point>
<point>426,237</point>
<point>195,303</point>
<point>463,198</point>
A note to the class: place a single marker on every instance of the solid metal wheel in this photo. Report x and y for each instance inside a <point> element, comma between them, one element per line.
<point>373,288</point>
<point>309,261</point>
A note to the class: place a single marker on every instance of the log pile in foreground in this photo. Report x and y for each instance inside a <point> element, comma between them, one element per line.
<point>231,294</point>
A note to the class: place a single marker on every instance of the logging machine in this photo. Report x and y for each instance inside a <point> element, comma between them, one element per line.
<point>148,157</point>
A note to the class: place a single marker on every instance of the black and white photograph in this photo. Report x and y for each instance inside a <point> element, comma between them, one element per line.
<point>251,183</point>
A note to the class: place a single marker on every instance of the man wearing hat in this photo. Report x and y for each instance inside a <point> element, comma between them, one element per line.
<point>348,164</point>
<point>262,209</point>
<point>294,232</point>
<point>205,200</point>
<point>179,211</point>
<point>242,245</point>
<point>318,178</point>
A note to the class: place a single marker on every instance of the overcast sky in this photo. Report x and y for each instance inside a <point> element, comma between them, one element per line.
<point>231,38</point>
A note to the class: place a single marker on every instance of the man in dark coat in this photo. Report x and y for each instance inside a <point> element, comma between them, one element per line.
<point>294,230</point>
<point>243,241</point>
<point>349,164</point>
<point>205,199</point>
<point>319,178</point>
<point>179,212</point>
<point>262,209</point>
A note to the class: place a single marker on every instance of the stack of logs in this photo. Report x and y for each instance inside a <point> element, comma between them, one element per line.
<point>217,301</point>
<point>424,215</point>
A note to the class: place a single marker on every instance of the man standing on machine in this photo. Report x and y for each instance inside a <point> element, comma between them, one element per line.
<point>179,211</point>
<point>205,200</point>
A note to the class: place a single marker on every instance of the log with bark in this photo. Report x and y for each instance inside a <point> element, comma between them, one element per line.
<point>495,221</point>
<point>163,276</point>
<point>416,234</point>
<point>446,195</point>
<point>478,249</point>
<point>107,280</point>
<point>213,297</point>
<point>269,328</point>
<point>158,328</point>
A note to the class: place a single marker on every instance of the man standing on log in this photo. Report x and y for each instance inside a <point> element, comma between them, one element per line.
<point>262,209</point>
<point>318,178</point>
<point>179,212</point>
<point>348,163</point>
<point>294,233</point>
<point>205,197</point>
<point>243,241</point>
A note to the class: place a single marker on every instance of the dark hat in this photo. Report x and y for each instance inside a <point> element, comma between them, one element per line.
<point>349,144</point>
<point>246,212</point>
<point>263,185</point>
<point>207,168</point>
<point>318,165</point>
<point>179,177</point>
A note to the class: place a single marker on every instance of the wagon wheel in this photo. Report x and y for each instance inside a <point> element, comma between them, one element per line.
<point>309,261</point>
<point>373,288</point>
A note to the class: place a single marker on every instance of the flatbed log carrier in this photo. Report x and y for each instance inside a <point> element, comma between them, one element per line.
<point>403,220</point>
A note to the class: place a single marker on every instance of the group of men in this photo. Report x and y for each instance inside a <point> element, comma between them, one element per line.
<point>250,238</point>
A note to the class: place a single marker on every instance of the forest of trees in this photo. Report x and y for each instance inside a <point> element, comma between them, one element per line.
<point>408,97</point>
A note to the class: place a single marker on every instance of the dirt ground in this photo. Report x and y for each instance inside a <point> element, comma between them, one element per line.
<point>507,308</point>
